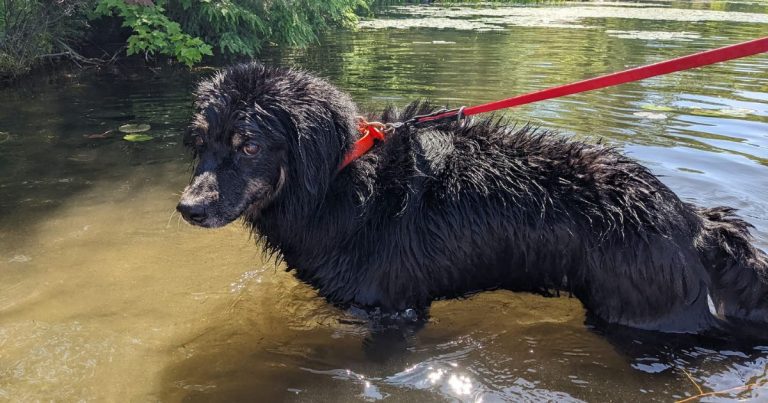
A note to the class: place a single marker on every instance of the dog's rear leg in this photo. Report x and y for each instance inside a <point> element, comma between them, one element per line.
<point>739,271</point>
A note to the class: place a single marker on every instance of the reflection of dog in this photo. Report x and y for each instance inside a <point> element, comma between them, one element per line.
<point>456,208</point>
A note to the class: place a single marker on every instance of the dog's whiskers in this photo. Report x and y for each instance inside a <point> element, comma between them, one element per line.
<point>173,213</point>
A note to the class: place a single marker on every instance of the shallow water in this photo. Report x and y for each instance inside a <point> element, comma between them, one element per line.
<point>106,295</point>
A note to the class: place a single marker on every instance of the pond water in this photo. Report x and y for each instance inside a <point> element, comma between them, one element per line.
<point>106,295</point>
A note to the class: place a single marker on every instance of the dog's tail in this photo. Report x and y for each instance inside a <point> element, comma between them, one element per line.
<point>738,270</point>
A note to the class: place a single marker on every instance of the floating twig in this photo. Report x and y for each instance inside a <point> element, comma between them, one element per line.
<point>693,381</point>
<point>104,135</point>
<point>748,386</point>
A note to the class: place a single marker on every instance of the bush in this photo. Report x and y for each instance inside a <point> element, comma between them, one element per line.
<point>30,29</point>
<point>243,27</point>
<point>189,29</point>
<point>184,30</point>
<point>154,32</point>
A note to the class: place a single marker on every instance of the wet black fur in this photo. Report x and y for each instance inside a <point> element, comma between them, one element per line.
<point>448,210</point>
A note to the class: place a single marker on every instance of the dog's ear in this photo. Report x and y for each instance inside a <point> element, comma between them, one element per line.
<point>317,146</point>
<point>314,159</point>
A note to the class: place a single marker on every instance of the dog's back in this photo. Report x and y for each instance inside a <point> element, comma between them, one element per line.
<point>481,205</point>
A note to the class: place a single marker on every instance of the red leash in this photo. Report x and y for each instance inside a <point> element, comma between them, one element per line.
<point>638,73</point>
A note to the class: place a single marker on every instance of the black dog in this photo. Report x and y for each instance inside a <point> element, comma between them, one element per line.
<point>457,208</point>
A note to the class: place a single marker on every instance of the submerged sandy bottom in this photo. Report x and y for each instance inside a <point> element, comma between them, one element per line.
<point>111,297</point>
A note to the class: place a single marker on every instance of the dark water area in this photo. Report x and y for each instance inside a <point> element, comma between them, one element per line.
<point>105,295</point>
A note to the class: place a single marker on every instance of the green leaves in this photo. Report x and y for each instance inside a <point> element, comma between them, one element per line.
<point>187,30</point>
<point>154,32</point>
<point>244,27</point>
<point>134,128</point>
<point>135,132</point>
<point>33,31</point>
<point>136,138</point>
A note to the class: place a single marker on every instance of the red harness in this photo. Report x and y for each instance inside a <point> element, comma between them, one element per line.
<point>373,131</point>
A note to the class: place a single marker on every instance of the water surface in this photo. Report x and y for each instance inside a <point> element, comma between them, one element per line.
<point>106,295</point>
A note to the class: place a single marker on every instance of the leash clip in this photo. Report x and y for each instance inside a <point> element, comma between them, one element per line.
<point>460,114</point>
<point>390,128</point>
<point>437,116</point>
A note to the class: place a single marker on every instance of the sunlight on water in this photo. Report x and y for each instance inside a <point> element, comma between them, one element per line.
<point>495,18</point>
<point>106,295</point>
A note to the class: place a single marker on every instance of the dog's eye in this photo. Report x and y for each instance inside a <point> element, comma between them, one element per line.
<point>250,149</point>
<point>199,141</point>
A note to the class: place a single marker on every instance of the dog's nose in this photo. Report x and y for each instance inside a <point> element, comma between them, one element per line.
<point>193,213</point>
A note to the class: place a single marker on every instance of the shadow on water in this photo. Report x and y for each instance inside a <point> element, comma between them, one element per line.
<point>47,158</point>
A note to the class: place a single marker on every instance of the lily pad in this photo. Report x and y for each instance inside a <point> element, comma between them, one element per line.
<point>657,108</point>
<point>137,137</point>
<point>134,128</point>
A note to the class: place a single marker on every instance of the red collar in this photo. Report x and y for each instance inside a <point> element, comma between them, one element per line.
<point>371,131</point>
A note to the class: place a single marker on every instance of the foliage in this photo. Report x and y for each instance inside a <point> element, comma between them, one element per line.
<point>243,27</point>
<point>154,32</point>
<point>31,29</point>
<point>189,29</point>
<point>185,30</point>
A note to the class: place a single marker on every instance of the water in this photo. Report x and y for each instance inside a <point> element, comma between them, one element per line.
<point>106,295</point>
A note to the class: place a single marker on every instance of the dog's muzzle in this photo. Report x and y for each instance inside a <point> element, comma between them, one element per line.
<point>195,214</point>
<point>197,199</point>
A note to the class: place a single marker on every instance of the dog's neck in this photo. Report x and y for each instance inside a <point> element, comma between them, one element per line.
<point>307,227</point>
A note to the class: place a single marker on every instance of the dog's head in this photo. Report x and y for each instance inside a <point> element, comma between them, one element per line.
<point>259,133</point>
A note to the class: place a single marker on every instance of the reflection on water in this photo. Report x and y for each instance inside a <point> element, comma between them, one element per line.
<point>106,295</point>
